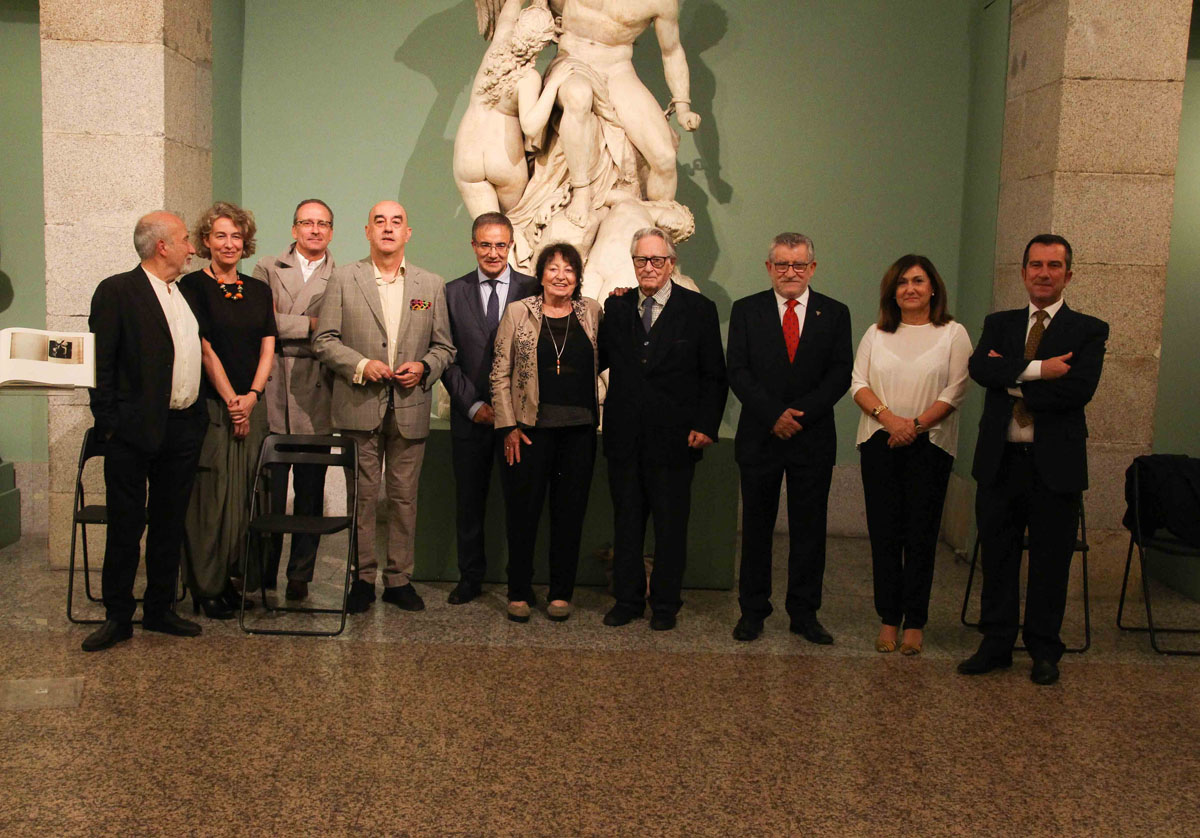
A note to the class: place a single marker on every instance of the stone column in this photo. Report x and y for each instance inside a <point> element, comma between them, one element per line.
<point>127,129</point>
<point>1091,130</point>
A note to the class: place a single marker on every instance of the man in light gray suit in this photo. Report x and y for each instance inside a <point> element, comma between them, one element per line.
<point>299,387</point>
<point>385,333</point>
<point>476,302</point>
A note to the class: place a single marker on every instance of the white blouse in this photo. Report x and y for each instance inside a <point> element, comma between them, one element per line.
<point>909,370</point>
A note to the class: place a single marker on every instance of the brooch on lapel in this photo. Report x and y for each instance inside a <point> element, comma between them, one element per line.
<point>420,305</point>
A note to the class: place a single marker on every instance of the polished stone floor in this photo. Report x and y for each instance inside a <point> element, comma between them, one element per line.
<point>456,722</point>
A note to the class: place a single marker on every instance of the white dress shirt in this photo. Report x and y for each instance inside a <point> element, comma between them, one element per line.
<point>911,368</point>
<point>391,297</point>
<point>185,335</point>
<point>1032,372</point>
<point>307,268</point>
<point>485,295</point>
<point>801,309</point>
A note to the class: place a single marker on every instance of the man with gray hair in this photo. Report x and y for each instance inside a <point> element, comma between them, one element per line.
<point>790,358</point>
<point>666,395</point>
<point>149,417</point>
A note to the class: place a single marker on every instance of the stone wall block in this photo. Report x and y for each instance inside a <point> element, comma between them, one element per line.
<point>1105,499</point>
<point>101,178</point>
<point>67,424</point>
<point>1123,39</point>
<point>1119,126</point>
<point>847,507</point>
<point>1122,411</point>
<point>125,21</point>
<point>62,505</point>
<point>1129,298</point>
<point>188,176</point>
<point>1030,146</point>
<point>1008,290</point>
<point>187,28</point>
<point>202,106</point>
<point>124,77</point>
<point>1122,219</point>
<point>1037,41</point>
<point>1025,205</point>
<point>70,282</point>
<point>181,119</point>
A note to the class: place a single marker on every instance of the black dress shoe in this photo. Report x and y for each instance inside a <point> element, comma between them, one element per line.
<point>983,662</point>
<point>215,608</point>
<point>619,615</point>
<point>812,631</point>
<point>662,622</point>
<point>361,595</point>
<point>296,590</point>
<point>464,592</point>
<point>168,622</point>
<point>1044,673</point>
<point>404,597</point>
<point>747,629</point>
<point>232,598</point>
<point>110,633</point>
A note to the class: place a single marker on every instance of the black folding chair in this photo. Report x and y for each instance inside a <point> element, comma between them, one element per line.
<point>1147,545</point>
<point>89,514</point>
<point>1081,547</point>
<point>299,449</point>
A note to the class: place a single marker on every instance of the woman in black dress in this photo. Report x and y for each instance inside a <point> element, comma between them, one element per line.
<point>238,346</point>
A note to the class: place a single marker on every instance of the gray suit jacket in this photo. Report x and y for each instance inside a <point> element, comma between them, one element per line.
<point>298,391</point>
<point>352,327</point>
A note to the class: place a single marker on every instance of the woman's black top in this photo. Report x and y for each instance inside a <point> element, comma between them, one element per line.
<point>234,327</point>
<point>566,383</point>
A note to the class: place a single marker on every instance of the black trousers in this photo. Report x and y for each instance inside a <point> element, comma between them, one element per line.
<point>309,487</point>
<point>474,457</point>
<point>561,461</point>
<point>1018,499</point>
<point>640,489</point>
<point>807,509</point>
<point>169,471</point>
<point>905,490</point>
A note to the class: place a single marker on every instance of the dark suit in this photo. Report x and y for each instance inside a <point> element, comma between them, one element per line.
<point>1036,486</point>
<point>661,386</point>
<point>767,383</point>
<point>475,447</point>
<point>146,441</point>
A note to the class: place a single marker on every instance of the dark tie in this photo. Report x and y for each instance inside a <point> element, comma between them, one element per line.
<point>791,329</point>
<point>1020,412</point>
<point>648,314</point>
<point>493,306</point>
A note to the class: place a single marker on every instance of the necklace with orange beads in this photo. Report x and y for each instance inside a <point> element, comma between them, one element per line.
<point>236,285</point>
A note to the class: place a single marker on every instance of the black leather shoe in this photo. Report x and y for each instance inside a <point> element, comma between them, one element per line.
<point>662,622</point>
<point>232,598</point>
<point>747,629</point>
<point>214,608</point>
<point>404,597</point>
<point>362,594</point>
<point>296,590</point>
<point>168,622</point>
<point>464,592</point>
<point>1044,673</point>
<point>619,615</point>
<point>983,662</point>
<point>812,631</point>
<point>110,633</point>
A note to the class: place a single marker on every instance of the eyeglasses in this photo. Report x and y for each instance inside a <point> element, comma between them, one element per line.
<point>308,224</point>
<point>639,262</point>
<point>500,247</point>
<point>798,267</point>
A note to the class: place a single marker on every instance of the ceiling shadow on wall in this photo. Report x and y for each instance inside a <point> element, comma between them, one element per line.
<point>702,26</point>
<point>427,50</point>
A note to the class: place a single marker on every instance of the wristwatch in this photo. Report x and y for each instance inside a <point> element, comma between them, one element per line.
<point>920,428</point>
<point>879,408</point>
<point>258,393</point>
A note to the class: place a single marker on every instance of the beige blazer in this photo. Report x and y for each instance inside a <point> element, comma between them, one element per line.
<point>514,365</point>
<point>352,327</point>
<point>298,391</point>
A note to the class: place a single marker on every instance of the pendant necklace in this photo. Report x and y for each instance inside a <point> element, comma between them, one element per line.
<point>558,350</point>
<point>236,293</point>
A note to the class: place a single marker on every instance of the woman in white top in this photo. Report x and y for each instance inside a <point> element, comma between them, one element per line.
<point>910,375</point>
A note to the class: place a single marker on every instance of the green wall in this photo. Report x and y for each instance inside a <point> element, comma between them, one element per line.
<point>854,122</point>
<point>1177,423</point>
<point>228,19</point>
<point>22,253</point>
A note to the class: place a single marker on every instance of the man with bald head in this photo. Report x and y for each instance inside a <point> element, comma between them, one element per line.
<point>385,333</point>
<point>148,414</point>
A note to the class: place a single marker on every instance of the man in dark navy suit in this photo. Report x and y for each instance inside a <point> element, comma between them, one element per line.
<point>147,411</point>
<point>666,395</point>
<point>476,302</point>
<point>1041,365</point>
<point>789,359</point>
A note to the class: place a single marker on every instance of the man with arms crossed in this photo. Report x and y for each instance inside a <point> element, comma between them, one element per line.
<point>299,387</point>
<point>475,302</point>
<point>1040,364</point>
<point>385,333</point>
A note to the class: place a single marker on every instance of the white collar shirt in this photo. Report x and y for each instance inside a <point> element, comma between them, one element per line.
<point>185,336</point>
<point>801,309</point>
<point>307,268</point>
<point>391,297</point>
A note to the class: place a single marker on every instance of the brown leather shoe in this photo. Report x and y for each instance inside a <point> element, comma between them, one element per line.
<point>296,590</point>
